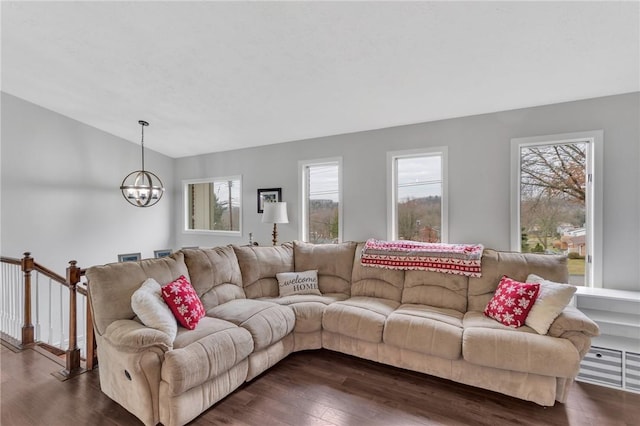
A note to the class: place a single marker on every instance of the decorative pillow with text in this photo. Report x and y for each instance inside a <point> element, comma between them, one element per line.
<point>512,302</point>
<point>552,299</point>
<point>298,283</point>
<point>148,305</point>
<point>184,302</point>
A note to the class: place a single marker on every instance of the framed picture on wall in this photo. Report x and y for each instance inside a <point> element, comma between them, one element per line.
<point>270,195</point>
<point>129,257</point>
<point>161,253</point>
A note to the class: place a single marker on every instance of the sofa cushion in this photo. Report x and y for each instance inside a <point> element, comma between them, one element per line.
<point>308,309</point>
<point>552,299</point>
<point>267,322</point>
<point>215,274</point>
<point>325,299</point>
<point>520,349</point>
<point>206,326</point>
<point>425,329</point>
<point>220,347</point>
<point>259,266</point>
<point>479,319</point>
<point>375,282</point>
<point>292,283</point>
<point>518,266</point>
<point>436,289</point>
<point>183,301</point>
<point>333,262</point>
<point>111,286</point>
<point>359,317</point>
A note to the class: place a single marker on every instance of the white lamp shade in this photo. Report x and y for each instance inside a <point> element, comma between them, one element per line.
<point>275,213</point>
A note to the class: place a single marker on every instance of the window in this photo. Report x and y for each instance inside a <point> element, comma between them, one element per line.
<point>321,183</point>
<point>418,195</point>
<point>555,206</point>
<point>213,205</point>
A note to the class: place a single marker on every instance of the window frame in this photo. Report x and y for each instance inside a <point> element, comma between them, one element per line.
<point>392,178</point>
<point>303,229</point>
<point>593,202</point>
<point>185,203</point>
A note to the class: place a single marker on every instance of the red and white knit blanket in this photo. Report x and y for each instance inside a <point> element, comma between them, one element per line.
<point>458,259</point>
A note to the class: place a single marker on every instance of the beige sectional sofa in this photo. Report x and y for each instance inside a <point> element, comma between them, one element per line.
<point>423,321</point>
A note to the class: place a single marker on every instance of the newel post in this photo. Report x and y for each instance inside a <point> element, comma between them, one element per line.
<point>27,326</point>
<point>73,352</point>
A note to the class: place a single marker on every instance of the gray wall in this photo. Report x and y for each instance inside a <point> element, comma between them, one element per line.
<point>479,176</point>
<point>60,190</point>
<point>60,178</point>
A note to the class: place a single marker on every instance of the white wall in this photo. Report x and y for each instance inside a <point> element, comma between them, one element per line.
<point>60,190</point>
<point>479,173</point>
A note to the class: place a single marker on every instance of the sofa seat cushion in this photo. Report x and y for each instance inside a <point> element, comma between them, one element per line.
<point>308,309</point>
<point>479,319</point>
<point>266,321</point>
<point>425,329</point>
<point>205,327</point>
<point>360,317</point>
<point>208,351</point>
<point>325,299</point>
<point>520,349</point>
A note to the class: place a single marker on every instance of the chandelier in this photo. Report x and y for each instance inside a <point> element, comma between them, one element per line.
<point>142,188</point>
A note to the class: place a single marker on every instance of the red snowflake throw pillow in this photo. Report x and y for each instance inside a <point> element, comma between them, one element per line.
<point>512,302</point>
<point>184,302</point>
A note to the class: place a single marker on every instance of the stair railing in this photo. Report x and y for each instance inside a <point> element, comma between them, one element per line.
<point>18,299</point>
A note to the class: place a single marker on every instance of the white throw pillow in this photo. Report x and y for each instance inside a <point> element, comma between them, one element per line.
<point>552,299</point>
<point>148,305</point>
<point>298,283</point>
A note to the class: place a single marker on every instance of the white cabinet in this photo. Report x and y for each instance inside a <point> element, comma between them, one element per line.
<point>632,371</point>
<point>614,357</point>
<point>603,366</point>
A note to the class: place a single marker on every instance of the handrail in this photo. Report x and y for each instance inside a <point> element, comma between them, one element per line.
<point>49,274</point>
<point>11,260</point>
<point>44,271</point>
<point>71,281</point>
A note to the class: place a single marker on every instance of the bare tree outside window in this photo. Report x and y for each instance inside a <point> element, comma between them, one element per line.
<point>419,198</point>
<point>323,192</point>
<point>553,188</point>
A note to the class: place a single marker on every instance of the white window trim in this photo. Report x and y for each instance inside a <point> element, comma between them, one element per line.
<point>185,210</point>
<point>392,208</point>
<point>595,162</point>
<point>302,190</point>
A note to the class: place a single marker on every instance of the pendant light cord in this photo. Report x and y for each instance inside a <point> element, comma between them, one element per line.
<point>142,124</point>
<point>142,143</point>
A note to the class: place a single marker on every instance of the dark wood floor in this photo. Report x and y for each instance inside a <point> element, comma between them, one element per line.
<point>309,388</point>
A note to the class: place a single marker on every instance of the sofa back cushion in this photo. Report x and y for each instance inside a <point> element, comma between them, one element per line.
<point>516,266</point>
<point>111,286</point>
<point>259,266</point>
<point>436,289</point>
<point>215,275</point>
<point>370,281</point>
<point>333,262</point>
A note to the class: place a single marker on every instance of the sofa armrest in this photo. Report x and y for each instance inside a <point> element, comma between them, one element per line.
<point>131,336</point>
<point>571,319</point>
<point>576,327</point>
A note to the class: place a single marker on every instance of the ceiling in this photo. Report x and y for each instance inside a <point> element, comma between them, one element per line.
<point>213,76</point>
